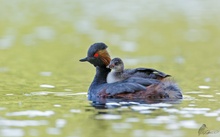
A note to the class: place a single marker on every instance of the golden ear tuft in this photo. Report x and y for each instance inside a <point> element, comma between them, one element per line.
<point>105,57</point>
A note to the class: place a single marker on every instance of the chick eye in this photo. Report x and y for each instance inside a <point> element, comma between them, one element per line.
<point>116,63</point>
<point>96,55</point>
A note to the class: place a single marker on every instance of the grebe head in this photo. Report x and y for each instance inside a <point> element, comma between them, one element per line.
<point>97,55</point>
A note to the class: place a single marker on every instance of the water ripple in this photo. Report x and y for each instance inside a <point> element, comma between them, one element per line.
<point>143,108</point>
<point>31,113</point>
<point>206,96</point>
<point>108,117</point>
<point>11,132</point>
<point>189,124</point>
<point>211,114</point>
<point>22,123</point>
<point>46,86</point>
<point>46,74</point>
<point>194,92</point>
<point>1,108</point>
<point>75,110</point>
<point>161,120</point>
<point>44,93</point>
<point>204,87</point>
<point>6,41</point>
<point>40,93</point>
<point>119,126</point>
<point>60,123</point>
<point>53,131</point>
<point>4,69</point>
<point>132,120</point>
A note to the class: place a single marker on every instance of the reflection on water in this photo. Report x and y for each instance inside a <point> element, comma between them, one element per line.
<point>12,132</point>
<point>204,87</point>
<point>6,42</point>
<point>3,69</point>
<point>47,86</point>
<point>31,113</point>
<point>169,115</point>
<point>43,89</point>
<point>22,123</point>
<point>46,74</point>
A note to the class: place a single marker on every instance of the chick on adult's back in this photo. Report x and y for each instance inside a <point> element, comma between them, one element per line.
<point>118,73</point>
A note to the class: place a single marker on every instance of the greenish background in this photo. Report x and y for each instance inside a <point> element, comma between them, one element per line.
<point>43,86</point>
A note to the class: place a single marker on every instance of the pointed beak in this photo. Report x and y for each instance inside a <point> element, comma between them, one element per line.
<point>110,66</point>
<point>84,59</point>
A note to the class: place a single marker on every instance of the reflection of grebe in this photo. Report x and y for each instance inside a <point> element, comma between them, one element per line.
<point>134,87</point>
<point>118,73</point>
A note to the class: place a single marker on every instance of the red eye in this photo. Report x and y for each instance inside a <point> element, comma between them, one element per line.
<point>96,55</point>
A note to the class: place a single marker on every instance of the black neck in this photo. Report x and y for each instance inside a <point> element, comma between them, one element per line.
<point>100,76</point>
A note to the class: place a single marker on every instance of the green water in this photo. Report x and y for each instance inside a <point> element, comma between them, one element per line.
<point>43,86</point>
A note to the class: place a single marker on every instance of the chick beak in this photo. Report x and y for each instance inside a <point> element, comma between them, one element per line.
<point>110,66</point>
